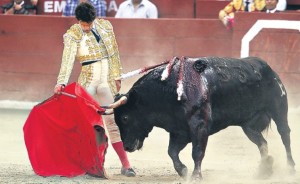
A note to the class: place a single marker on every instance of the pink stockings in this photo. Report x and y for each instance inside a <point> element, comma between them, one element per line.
<point>119,148</point>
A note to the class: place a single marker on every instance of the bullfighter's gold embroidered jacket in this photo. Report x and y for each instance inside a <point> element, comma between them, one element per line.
<point>83,47</point>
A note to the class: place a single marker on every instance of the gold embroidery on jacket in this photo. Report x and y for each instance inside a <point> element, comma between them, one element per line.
<point>68,57</point>
<point>86,76</point>
<point>85,47</point>
<point>260,4</point>
<point>238,5</point>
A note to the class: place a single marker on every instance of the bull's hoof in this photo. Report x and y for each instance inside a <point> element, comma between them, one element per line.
<point>291,170</point>
<point>291,166</point>
<point>182,171</point>
<point>265,169</point>
<point>195,180</point>
<point>196,177</point>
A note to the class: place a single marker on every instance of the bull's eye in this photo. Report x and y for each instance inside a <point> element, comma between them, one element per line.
<point>125,119</point>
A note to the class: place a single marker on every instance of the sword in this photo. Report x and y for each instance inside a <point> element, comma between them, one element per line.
<point>139,71</point>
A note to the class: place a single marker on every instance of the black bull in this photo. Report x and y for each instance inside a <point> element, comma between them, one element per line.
<point>218,92</point>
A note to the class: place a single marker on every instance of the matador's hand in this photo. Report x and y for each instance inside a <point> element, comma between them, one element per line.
<point>58,88</point>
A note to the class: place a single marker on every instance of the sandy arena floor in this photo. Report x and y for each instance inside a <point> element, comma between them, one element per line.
<point>230,157</point>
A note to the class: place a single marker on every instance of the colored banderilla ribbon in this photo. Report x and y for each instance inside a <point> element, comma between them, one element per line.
<point>139,71</point>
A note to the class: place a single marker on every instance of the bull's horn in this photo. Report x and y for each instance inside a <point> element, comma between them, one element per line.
<point>106,112</point>
<point>118,103</point>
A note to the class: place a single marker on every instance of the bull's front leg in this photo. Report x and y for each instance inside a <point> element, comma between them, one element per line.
<point>199,134</point>
<point>176,144</point>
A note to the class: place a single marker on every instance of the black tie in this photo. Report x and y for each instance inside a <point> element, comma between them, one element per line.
<point>97,36</point>
<point>246,7</point>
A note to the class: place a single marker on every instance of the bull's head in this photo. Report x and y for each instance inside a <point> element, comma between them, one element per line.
<point>131,121</point>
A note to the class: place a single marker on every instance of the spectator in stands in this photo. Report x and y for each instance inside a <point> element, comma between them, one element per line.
<point>100,6</point>
<point>137,9</point>
<point>226,15</point>
<point>271,6</point>
<point>24,7</point>
<point>32,7</point>
<point>17,7</point>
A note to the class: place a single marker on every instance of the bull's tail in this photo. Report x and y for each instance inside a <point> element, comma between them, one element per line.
<point>279,113</point>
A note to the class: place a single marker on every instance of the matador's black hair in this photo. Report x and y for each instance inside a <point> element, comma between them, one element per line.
<point>85,12</point>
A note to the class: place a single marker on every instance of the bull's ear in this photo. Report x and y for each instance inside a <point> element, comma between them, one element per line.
<point>200,65</point>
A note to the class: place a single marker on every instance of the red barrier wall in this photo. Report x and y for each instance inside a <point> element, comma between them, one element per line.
<point>175,8</point>
<point>209,8</point>
<point>31,48</point>
<point>279,47</point>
